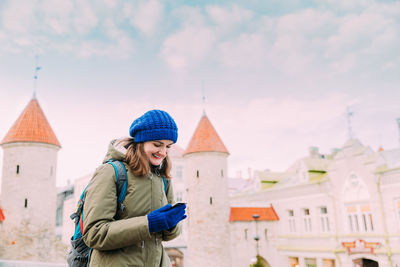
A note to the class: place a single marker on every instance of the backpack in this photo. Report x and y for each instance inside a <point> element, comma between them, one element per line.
<point>79,255</point>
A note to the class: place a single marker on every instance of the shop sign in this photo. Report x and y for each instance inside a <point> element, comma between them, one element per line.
<point>360,246</point>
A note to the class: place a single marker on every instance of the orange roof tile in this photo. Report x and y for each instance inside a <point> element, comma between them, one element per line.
<point>205,139</point>
<point>2,217</point>
<point>246,214</point>
<point>31,126</point>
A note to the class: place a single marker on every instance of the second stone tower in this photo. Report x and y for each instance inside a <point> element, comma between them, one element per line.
<point>208,199</point>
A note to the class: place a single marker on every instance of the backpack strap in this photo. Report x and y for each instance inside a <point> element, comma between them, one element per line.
<point>121,183</point>
<point>78,216</point>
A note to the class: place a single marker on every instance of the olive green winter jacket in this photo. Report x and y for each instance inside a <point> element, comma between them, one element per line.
<point>126,240</point>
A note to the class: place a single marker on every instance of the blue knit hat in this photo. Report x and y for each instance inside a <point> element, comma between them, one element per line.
<point>154,125</point>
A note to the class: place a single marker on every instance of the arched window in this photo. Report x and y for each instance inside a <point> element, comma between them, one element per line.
<point>356,199</point>
<point>355,189</point>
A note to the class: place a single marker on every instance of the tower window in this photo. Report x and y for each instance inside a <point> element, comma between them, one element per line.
<point>26,202</point>
<point>210,200</point>
<point>17,169</point>
<point>197,173</point>
<point>222,173</point>
<point>51,171</point>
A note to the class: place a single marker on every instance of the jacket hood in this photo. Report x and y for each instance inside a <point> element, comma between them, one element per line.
<point>115,151</point>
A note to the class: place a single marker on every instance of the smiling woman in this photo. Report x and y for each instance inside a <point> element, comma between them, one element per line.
<point>132,236</point>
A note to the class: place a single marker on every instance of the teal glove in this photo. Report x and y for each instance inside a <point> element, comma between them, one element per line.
<point>166,217</point>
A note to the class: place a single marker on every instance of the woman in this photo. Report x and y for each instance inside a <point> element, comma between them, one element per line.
<point>132,237</point>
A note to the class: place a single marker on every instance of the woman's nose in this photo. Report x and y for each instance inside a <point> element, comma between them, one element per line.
<point>163,151</point>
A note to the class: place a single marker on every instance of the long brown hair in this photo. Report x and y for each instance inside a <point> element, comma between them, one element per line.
<point>139,162</point>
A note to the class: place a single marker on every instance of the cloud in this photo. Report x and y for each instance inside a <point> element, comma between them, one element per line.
<point>308,22</point>
<point>228,17</point>
<point>247,51</point>
<point>74,27</point>
<point>330,39</point>
<point>85,18</point>
<point>188,15</point>
<point>352,6</point>
<point>18,16</point>
<point>188,46</point>
<point>146,16</point>
<point>319,42</point>
<point>54,17</point>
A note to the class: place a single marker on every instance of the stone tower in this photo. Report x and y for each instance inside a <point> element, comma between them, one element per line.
<point>208,200</point>
<point>28,188</point>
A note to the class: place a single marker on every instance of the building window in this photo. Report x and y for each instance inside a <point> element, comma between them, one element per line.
<point>59,216</point>
<point>210,200</point>
<point>366,215</point>
<point>398,210</point>
<point>310,262</point>
<point>222,173</point>
<point>51,171</point>
<point>360,218</point>
<point>355,220</point>
<point>197,174</point>
<point>294,262</point>
<point>179,196</point>
<point>370,220</point>
<point>26,203</point>
<point>245,233</point>
<point>179,172</point>
<point>291,221</point>
<point>328,263</point>
<point>307,220</point>
<point>266,234</point>
<point>324,219</point>
<point>350,222</point>
<point>17,169</point>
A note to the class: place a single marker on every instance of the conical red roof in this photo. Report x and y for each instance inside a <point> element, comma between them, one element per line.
<point>205,139</point>
<point>31,126</point>
<point>2,217</point>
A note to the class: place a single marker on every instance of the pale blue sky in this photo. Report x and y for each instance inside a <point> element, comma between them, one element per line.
<point>278,75</point>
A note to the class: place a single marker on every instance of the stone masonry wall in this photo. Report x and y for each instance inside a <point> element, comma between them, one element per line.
<point>208,209</point>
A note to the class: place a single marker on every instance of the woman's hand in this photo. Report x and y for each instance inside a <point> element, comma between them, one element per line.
<point>166,217</point>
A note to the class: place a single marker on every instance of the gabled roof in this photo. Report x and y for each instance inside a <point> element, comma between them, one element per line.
<point>2,217</point>
<point>246,214</point>
<point>31,126</point>
<point>205,139</point>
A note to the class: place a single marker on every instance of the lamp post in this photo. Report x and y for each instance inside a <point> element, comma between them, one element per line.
<point>256,237</point>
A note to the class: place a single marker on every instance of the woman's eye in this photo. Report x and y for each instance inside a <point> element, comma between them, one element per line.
<point>157,145</point>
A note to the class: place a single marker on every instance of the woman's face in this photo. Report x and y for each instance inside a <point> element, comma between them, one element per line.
<point>157,150</point>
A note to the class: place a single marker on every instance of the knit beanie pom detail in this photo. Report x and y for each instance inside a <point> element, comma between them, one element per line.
<point>154,125</point>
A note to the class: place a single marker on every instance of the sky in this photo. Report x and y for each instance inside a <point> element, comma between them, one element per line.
<point>277,76</point>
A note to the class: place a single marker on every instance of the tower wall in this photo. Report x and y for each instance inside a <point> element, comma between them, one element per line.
<point>208,209</point>
<point>29,183</point>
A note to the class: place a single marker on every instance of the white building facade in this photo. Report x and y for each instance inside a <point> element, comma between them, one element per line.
<point>336,210</point>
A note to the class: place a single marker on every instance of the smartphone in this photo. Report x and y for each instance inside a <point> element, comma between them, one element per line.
<point>178,204</point>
